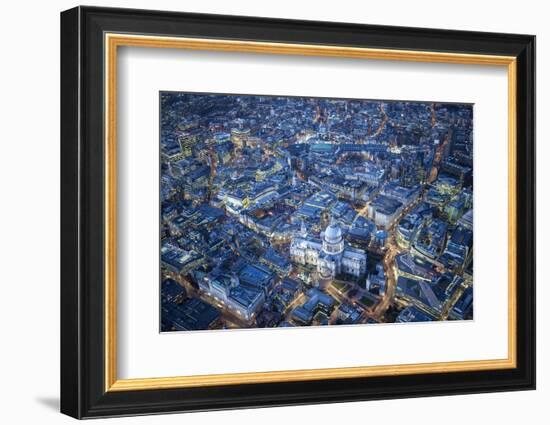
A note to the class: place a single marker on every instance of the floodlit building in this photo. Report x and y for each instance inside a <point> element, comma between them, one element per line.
<point>240,136</point>
<point>226,289</point>
<point>384,210</point>
<point>330,254</point>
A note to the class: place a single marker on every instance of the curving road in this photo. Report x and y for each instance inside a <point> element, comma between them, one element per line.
<point>389,265</point>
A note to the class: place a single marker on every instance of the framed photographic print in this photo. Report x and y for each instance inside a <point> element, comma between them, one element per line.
<point>261,212</point>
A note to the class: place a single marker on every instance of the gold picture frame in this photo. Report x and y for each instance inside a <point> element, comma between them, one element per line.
<point>114,41</point>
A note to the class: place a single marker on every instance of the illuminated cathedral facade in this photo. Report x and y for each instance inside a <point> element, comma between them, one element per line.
<point>329,254</point>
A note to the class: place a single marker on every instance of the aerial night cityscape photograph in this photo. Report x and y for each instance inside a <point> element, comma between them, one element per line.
<point>282,211</point>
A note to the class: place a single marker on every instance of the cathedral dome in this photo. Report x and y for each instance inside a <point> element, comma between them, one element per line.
<point>333,234</point>
<point>333,242</point>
